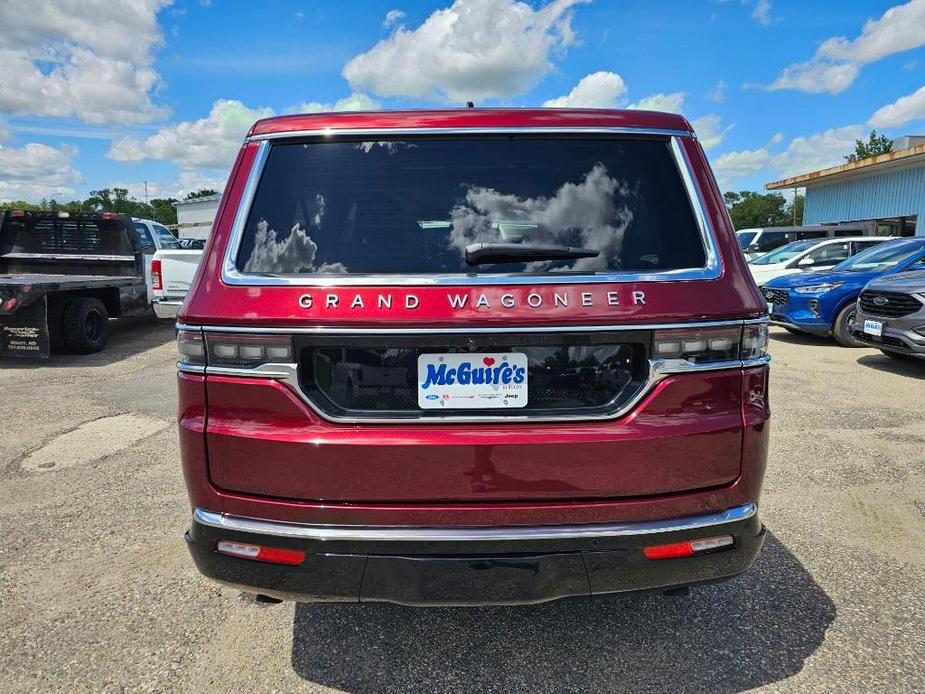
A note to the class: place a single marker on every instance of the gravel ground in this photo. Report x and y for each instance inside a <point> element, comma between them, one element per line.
<point>97,592</point>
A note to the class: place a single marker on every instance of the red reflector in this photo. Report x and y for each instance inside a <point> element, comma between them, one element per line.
<point>272,555</point>
<point>671,551</point>
<point>688,548</point>
<point>9,305</point>
<point>17,213</point>
<point>109,215</point>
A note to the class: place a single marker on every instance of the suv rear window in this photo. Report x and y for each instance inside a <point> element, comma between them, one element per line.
<point>414,206</point>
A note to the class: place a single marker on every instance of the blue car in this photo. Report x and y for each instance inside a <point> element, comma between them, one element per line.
<point>823,303</point>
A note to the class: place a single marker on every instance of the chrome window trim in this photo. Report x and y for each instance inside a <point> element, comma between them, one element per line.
<point>659,369</point>
<point>711,270</point>
<point>359,533</point>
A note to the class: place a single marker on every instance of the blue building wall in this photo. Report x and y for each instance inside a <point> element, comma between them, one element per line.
<point>899,193</point>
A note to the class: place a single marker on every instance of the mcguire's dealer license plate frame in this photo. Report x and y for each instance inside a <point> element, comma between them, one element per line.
<point>472,381</point>
<point>873,327</point>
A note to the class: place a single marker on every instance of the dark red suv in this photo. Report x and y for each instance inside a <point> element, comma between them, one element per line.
<point>476,356</point>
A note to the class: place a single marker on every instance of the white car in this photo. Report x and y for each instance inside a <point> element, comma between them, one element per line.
<point>813,254</point>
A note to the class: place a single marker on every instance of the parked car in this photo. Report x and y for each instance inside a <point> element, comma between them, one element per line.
<point>152,237</point>
<point>172,273</point>
<point>824,303</point>
<point>891,313</point>
<point>805,256</point>
<point>478,356</point>
<point>63,276</point>
<point>756,242</point>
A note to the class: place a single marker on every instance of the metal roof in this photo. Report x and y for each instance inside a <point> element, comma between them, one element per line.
<point>913,156</point>
<point>205,198</point>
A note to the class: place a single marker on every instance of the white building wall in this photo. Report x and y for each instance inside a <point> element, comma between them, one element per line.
<point>196,211</point>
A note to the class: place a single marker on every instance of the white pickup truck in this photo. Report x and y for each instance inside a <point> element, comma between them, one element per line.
<point>170,270</point>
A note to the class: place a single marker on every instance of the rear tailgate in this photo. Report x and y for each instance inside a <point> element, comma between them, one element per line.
<point>178,267</point>
<point>364,264</point>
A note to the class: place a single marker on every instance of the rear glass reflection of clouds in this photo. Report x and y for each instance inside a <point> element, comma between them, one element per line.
<point>582,214</point>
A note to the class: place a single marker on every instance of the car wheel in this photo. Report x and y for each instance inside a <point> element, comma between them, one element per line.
<point>842,329</point>
<point>85,325</point>
<point>898,355</point>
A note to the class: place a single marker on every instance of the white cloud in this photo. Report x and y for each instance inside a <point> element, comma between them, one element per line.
<point>838,59</point>
<point>710,130</point>
<point>762,12</point>
<point>816,77</point>
<point>672,103</point>
<point>354,102</point>
<point>597,90</point>
<point>208,143</point>
<point>901,28</point>
<point>473,50</point>
<point>90,59</point>
<point>393,17</point>
<point>907,108</point>
<point>718,93</point>
<point>36,171</point>
<point>741,164</point>
<point>5,133</point>
<point>819,151</point>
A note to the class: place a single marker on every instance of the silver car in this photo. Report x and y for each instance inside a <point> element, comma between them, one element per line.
<point>891,315</point>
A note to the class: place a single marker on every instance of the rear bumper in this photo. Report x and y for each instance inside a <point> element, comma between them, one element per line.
<point>167,308</point>
<point>471,566</point>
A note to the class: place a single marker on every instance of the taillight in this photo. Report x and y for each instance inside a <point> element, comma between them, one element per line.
<point>110,215</point>
<point>192,347</point>
<point>233,349</point>
<point>248,351</point>
<point>704,345</point>
<point>156,275</point>
<point>272,555</point>
<point>17,213</point>
<point>688,548</point>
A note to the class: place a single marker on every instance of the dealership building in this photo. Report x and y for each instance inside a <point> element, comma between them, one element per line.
<point>887,191</point>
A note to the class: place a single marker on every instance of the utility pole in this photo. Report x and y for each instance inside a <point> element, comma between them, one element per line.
<point>146,192</point>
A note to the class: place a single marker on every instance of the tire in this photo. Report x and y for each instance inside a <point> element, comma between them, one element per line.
<point>841,329</point>
<point>85,325</point>
<point>898,355</point>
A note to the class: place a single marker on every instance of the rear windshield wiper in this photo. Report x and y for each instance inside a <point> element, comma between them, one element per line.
<point>478,253</point>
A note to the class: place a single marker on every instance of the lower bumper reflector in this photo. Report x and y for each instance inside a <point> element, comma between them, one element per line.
<point>272,555</point>
<point>688,548</point>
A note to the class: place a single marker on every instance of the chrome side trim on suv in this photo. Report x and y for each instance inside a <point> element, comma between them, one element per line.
<point>710,271</point>
<point>468,534</point>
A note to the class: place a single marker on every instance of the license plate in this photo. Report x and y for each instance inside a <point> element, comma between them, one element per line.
<point>873,327</point>
<point>494,380</point>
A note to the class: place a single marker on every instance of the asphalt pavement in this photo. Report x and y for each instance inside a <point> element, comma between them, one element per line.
<point>97,591</point>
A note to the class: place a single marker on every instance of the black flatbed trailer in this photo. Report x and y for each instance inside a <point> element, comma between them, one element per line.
<point>61,279</point>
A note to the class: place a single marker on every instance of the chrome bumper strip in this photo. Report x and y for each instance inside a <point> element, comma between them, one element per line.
<point>357,533</point>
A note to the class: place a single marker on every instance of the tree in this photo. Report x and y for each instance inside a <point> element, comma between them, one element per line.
<point>201,193</point>
<point>875,145</point>
<point>163,210</point>
<point>749,209</point>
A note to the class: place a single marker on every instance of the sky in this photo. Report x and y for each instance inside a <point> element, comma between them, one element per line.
<point>102,93</point>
